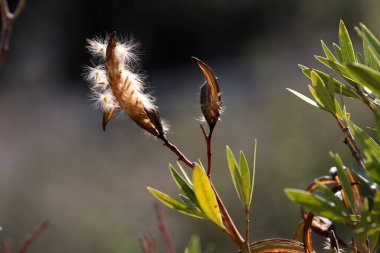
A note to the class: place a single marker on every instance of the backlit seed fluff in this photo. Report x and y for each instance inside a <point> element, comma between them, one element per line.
<point>115,85</point>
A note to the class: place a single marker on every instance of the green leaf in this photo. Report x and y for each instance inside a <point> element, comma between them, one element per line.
<point>173,203</point>
<point>206,196</point>
<point>338,52</point>
<point>183,185</point>
<point>371,47</point>
<point>304,98</point>
<point>339,68</point>
<point>340,88</point>
<point>327,194</point>
<point>253,171</point>
<point>370,149</point>
<point>245,178</point>
<point>235,174</point>
<point>348,52</point>
<point>360,58</point>
<point>317,205</point>
<point>186,177</point>
<point>365,76</point>
<point>328,53</point>
<point>345,181</point>
<point>194,245</point>
<point>323,93</point>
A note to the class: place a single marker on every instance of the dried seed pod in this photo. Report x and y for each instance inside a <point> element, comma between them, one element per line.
<point>210,96</point>
<point>115,85</point>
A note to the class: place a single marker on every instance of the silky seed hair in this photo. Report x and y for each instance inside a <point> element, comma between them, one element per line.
<point>114,84</point>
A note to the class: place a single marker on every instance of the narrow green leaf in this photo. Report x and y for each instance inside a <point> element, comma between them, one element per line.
<point>328,53</point>
<point>339,68</point>
<point>184,174</point>
<point>322,92</point>
<point>253,171</point>
<point>345,181</point>
<point>317,205</point>
<point>191,205</point>
<point>304,98</point>
<point>338,52</point>
<point>173,203</point>
<point>360,58</point>
<point>194,245</point>
<point>206,196</point>
<point>370,149</point>
<point>348,52</point>
<point>245,177</point>
<point>372,40</point>
<point>183,185</point>
<point>365,76</point>
<point>235,174</point>
<point>340,88</point>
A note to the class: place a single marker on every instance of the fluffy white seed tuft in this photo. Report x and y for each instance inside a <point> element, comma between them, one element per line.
<point>104,99</point>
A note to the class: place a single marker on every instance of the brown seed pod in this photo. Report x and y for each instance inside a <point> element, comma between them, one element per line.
<point>115,85</point>
<point>210,96</point>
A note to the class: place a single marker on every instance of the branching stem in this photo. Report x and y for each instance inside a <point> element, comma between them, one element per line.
<point>8,20</point>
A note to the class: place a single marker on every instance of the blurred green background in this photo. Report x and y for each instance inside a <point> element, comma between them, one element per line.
<point>58,164</point>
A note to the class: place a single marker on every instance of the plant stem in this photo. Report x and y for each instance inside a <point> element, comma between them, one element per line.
<point>232,230</point>
<point>175,150</point>
<point>8,20</point>
<point>351,143</point>
<point>247,222</point>
<point>32,236</point>
<point>164,229</point>
<point>147,244</point>
<point>208,146</point>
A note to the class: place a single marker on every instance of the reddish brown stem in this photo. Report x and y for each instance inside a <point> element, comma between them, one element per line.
<point>208,147</point>
<point>147,244</point>
<point>351,143</point>
<point>164,229</point>
<point>8,245</point>
<point>176,151</point>
<point>8,20</point>
<point>32,236</point>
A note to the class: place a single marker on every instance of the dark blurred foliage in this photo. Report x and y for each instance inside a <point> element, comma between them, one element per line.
<point>57,164</point>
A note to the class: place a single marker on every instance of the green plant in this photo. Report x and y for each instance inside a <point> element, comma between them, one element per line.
<point>348,195</point>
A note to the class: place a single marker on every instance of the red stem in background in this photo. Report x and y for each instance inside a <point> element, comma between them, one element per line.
<point>164,231</point>
<point>32,236</point>
<point>147,244</point>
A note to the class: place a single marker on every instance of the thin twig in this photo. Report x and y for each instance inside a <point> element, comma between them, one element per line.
<point>8,20</point>
<point>351,143</point>
<point>208,147</point>
<point>164,231</point>
<point>147,243</point>
<point>247,222</point>
<point>32,236</point>
<point>175,150</point>
<point>8,245</point>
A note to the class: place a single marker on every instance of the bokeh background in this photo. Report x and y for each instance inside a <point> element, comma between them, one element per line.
<point>56,163</point>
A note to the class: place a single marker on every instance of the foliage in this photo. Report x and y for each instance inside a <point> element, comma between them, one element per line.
<point>348,195</point>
